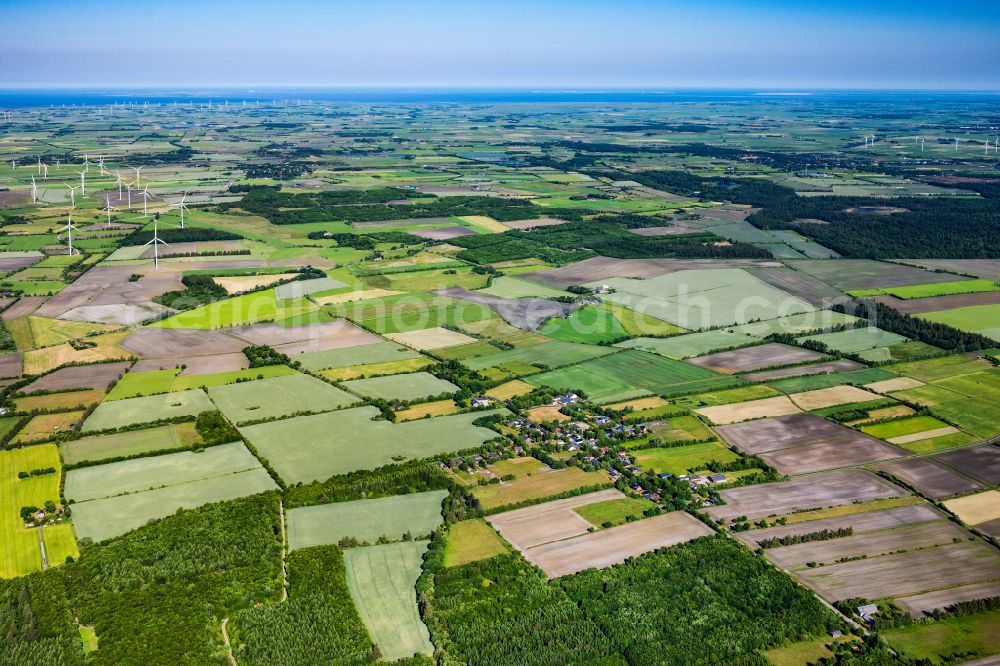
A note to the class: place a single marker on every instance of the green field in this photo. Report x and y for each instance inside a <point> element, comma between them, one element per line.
<point>616,511</point>
<point>726,396</point>
<point>313,448</point>
<point>938,443</point>
<point>131,411</point>
<point>856,339</point>
<point>129,443</point>
<point>696,299</point>
<point>982,319</point>
<point>238,311</point>
<point>109,500</point>
<point>471,541</point>
<point>632,372</point>
<point>382,580</point>
<point>933,369</point>
<point>935,289</point>
<point>278,397</point>
<point>413,386</point>
<point>132,476</point>
<point>902,427</point>
<point>681,428</point>
<point>511,287</point>
<point>588,325</point>
<point>795,324</point>
<point>828,379</point>
<point>973,415</point>
<point>366,520</point>
<point>683,459</point>
<point>550,354</point>
<point>20,553</point>
<point>134,384</point>
<point>975,634</point>
<point>379,352</point>
<point>536,486</point>
<point>692,344</point>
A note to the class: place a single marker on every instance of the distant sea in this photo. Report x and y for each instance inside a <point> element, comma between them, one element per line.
<point>91,97</point>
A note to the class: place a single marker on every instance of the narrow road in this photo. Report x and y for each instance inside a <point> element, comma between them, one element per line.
<point>284,541</point>
<point>41,546</point>
<point>225,637</point>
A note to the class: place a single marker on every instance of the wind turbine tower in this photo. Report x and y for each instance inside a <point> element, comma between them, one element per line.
<point>181,207</point>
<point>137,170</point>
<point>107,200</point>
<point>155,242</point>
<point>69,231</point>
<point>72,196</point>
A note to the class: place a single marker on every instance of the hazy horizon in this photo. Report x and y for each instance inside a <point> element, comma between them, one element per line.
<point>644,44</point>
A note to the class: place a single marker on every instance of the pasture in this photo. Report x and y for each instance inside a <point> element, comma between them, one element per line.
<point>413,386</point>
<point>695,299</point>
<point>382,581</point>
<point>747,411</point>
<point>278,397</point>
<point>314,448</point>
<point>118,497</point>
<point>137,384</point>
<point>342,357</point>
<point>553,354</point>
<point>856,339</point>
<point>692,344</point>
<point>933,289</point>
<point>536,486</point>
<point>470,541</point>
<point>258,306</point>
<point>982,319</point>
<point>588,325</point>
<point>630,373</point>
<point>128,444</point>
<point>683,459</point>
<point>20,554</point>
<point>366,520</point>
<point>431,338</point>
<point>119,413</point>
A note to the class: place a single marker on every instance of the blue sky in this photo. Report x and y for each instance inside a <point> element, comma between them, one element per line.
<point>542,43</point>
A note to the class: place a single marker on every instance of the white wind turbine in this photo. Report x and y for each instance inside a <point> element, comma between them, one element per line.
<point>100,163</point>
<point>155,242</point>
<point>956,143</point>
<point>34,191</point>
<point>83,182</point>
<point>72,196</point>
<point>69,231</point>
<point>145,200</point>
<point>45,171</point>
<point>181,206</point>
<point>118,182</point>
<point>128,191</point>
<point>86,162</point>
<point>137,170</point>
<point>107,200</point>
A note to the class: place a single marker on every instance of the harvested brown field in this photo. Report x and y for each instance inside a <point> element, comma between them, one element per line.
<point>551,521</point>
<point>106,347</point>
<point>907,573</point>
<point>600,268</point>
<point>832,396</point>
<point>310,337</point>
<point>841,365</point>
<point>79,377</point>
<point>975,509</point>
<point>811,492</point>
<point>511,389</point>
<point>929,478</point>
<point>826,455</point>
<point>799,284</point>
<point>45,425</point>
<point>851,274</point>
<point>873,544</point>
<point>919,604</point>
<point>431,338</point>
<point>537,486</point>
<point>861,523</point>
<point>605,548</point>
<point>640,403</point>
<point>755,358</point>
<point>196,365</point>
<point>357,295</point>
<point>24,307</point>
<point>105,293</point>
<point>745,411</point>
<point>673,230</point>
<point>979,462</point>
<point>783,432</point>
<point>180,343</point>
<point>443,233</point>
<point>48,402</point>
<point>242,283</point>
<point>938,303</point>
<point>531,224</point>
<point>10,365</point>
<point>984,268</point>
<point>546,413</point>
<point>897,384</point>
<point>10,265</point>
<point>525,313</point>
